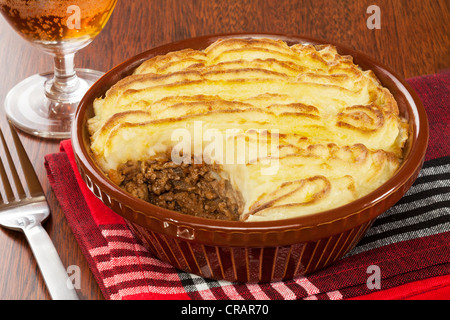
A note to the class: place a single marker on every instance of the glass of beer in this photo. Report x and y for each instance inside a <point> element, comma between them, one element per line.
<point>43,104</point>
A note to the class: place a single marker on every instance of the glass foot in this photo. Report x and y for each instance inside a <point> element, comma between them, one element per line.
<point>29,109</point>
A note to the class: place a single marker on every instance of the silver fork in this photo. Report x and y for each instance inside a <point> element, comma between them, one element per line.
<point>25,213</point>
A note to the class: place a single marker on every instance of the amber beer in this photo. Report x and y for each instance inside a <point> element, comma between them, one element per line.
<point>57,21</point>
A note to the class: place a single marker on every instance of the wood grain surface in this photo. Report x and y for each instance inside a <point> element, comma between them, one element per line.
<point>413,40</point>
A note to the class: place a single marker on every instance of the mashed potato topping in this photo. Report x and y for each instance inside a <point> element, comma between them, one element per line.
<point>315,131</point>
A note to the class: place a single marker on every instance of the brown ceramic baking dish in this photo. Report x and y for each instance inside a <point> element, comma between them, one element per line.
<point>252,251</point>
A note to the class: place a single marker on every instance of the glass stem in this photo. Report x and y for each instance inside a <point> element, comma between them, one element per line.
<point>65,85</point>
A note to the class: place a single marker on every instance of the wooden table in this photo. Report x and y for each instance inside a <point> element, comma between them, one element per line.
<point>413,39</point>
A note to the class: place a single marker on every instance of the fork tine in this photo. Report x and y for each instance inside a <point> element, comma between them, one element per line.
<point>6,184</point>
<point>34,186</point>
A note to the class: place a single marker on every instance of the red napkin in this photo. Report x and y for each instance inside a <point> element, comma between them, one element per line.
<point>407,246</point>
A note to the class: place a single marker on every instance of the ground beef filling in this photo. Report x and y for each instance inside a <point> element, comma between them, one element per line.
<point>194,189</point>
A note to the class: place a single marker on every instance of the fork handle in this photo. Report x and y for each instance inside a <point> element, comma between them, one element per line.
<point>49,262</point>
